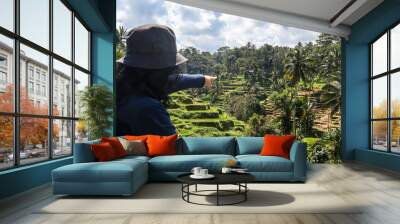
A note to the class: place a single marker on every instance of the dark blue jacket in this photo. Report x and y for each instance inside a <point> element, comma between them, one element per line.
<point>142,115</point>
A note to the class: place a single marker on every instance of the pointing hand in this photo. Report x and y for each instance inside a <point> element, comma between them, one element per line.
<point>209,80</point>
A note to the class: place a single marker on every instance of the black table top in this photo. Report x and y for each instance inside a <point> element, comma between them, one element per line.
<point>220,178</point>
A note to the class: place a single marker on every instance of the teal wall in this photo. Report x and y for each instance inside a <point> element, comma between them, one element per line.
<point>24,178</point>
<point>103,50</point>
<point>91,12</point>
<point>100,16</point>
<point>355,86</point>
<point>103,58</point>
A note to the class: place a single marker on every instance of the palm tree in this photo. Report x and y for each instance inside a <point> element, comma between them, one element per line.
<point>330,61</point>
<point>121,35</point>
<point>331,95</point>
<point>304,117</point>
<point>284,103</point>
<point>296,66</point>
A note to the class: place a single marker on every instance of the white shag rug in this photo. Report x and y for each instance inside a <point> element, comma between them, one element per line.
<point>166,198</point>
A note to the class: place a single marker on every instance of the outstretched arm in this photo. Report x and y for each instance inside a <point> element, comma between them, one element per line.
<point>184,81</point>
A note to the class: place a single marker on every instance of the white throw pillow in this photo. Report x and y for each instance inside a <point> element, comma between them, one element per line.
<point>133,147</point>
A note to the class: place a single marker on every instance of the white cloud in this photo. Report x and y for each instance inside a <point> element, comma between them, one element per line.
<point>207,30</point>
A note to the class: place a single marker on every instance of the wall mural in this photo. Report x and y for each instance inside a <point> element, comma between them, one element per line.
<point>256,91</point>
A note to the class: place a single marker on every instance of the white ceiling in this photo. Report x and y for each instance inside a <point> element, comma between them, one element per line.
<point>321,9</point>
<point>314,15</point>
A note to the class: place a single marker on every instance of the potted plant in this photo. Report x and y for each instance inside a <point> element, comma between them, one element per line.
<point>96,102</point>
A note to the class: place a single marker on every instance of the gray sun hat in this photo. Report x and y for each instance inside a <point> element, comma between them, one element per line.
<point>151,46</point>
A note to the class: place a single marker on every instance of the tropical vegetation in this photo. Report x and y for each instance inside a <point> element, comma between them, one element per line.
<point>96,102</point>
<point>264,90</point>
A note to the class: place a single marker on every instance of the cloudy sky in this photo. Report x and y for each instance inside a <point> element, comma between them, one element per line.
<point>207,30</point>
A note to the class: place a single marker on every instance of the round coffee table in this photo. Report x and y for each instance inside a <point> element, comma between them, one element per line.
<point>238,179</point>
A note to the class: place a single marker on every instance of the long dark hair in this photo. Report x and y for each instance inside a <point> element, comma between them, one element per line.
<point>146,82</point>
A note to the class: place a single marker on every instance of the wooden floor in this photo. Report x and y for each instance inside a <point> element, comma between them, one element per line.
<point>379,189</point>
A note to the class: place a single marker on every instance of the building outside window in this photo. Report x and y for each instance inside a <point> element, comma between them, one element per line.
<point>43,90</point>
<point>3,76</point>
<point>3,61</point>
<point>55,97</point>
<point>38,89</point>
<point>60,127</point>
<point>37,75</point>
<point>385,94</point>
<point>30,72</point>
<point>3,80</point>
<point>30,87</point>
<point>44,77</point>
<point>3,72</point>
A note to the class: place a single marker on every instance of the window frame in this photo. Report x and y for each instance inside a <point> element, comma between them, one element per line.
<point>388,74</point>
<point>16,114</point>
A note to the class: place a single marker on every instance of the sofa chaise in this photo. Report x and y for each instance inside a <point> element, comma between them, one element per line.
<point>125,176</point>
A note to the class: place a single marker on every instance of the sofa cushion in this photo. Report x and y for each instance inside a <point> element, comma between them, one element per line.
<point>185,163</point>
<point>83,152</point>
<point>277,145</point>
<point>134,147</point>
<point>103,152</point>
<point>161,145</point>
<point>249,145</point>
<point>257,163</point>
<point>112,171</point>
<point>136,137</point>
<point>116,145</point>
<point>131,158</point>
<point>206,145</point>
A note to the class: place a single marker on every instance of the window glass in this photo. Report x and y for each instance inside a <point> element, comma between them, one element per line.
<point>379,97</point>
<point>395,95</point>
<point>33,140</point>
<point>62,29</point>
<point>395,47</point>
<point>34,80</point>
<point>395,136</point>
<point>379,135</point>
<point>62,138</point>
<point>6,142</point>
<point>81,45</point>
<point>34,21</point>
<point>62,91</point>
<point>81,131</point>
<point>6,74</point>
<point>39,62</point>
<point>81,82</point>
<point>379,56</point>
<point>7,14</point>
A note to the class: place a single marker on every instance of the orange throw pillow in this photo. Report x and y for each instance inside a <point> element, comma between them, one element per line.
<point>103,152</point>
<point>116,145</point>
<point>277,145</point>
<point>134,137</point>
<point>161,145</point>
